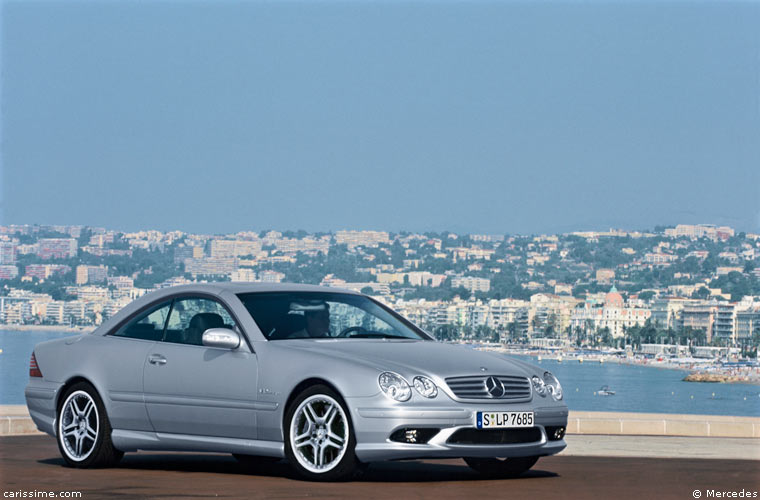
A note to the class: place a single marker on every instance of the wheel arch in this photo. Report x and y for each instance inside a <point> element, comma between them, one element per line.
<point>70,383</point>
<point>302,386</point>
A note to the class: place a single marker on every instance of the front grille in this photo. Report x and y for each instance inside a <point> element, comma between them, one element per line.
<point>516,389</point>
<point>496,436</point>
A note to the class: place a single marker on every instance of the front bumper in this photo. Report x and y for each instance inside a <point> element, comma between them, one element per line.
<point>374,425</point>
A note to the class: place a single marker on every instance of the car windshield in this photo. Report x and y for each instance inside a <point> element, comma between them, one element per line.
<point>293,315</point>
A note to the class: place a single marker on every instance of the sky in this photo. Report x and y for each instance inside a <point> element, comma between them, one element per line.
<point>471,116</point>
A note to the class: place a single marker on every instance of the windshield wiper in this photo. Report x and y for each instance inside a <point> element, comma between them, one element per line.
<point>376,335</point>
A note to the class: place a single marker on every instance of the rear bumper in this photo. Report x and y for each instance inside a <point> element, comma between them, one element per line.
<point>41,397</point>
<point>374,426</point>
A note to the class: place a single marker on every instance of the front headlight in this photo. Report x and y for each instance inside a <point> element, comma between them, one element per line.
<point>394,386</point>
<point>425,387</point>
<point>538,385</point>
<point>552,385</point>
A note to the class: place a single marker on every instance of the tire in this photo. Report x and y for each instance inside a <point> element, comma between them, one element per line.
<point>84,436</point>
<point>319,437</point>
<point>507,467</point>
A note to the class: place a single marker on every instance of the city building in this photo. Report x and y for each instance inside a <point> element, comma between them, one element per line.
<point>700,231</point>
<point>56,248</point>
<point>228,249</point>
<point>210,266</point>
<point>271,277</point>
<point>550,315</point>
<point>184,252</point>
<point>612,314</point>
<point>91,274</point>
<point>243,274</point>
<point>7,253</point>
<point>471,283</point>
<point>724,323</point>
<point>354,239</point>
<point>698,315</point>
<point>8,272</point>
<point>44,271</point>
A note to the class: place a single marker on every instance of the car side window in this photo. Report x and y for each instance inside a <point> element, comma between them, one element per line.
<point>148,325</point>
<point>190,317</point>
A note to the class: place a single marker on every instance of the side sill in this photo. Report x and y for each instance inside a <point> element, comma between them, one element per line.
<point>126,440</point>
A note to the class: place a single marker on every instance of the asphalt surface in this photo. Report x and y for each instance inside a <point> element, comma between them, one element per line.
<point>32,464</point>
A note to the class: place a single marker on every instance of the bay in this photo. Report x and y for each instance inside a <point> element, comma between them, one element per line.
<point>638,388</point>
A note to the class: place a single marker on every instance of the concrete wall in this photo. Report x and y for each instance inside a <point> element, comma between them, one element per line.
<point>662,424</point>
<point>15,420</point>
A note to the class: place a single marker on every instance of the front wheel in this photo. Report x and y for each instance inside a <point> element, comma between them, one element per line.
<point>319,442</point>
<point>83,431</point>
<point>506,467</point>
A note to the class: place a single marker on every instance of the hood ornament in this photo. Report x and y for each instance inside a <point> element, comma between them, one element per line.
<point>483,369</point>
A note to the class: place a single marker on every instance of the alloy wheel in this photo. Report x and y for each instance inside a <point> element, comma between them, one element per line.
<point>78,425</point>
<point>319,433</point>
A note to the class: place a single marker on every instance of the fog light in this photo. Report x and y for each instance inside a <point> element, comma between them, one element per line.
<point>410,435</point>
<point>555,433</point>
<point>420,435</point>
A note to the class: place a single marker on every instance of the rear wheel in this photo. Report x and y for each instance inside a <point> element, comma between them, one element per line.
<point>319,441</point>
<point>83,431</point>
<point>505,467</point>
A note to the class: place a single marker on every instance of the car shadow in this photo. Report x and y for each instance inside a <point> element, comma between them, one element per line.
<point>402,471</point>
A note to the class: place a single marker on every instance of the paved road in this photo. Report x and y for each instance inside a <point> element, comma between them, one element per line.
<point>32,463</point>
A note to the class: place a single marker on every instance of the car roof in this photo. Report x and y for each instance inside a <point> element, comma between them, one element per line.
<point>208,288</point>
<point>245,287</point>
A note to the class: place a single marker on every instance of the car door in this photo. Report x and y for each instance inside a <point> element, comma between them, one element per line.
<point>123,352</point>
<point>198,390</point>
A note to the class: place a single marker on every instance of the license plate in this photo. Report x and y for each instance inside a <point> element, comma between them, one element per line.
<point>503,419</point>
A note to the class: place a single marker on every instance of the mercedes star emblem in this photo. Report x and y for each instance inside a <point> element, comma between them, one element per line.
<point>494,387</point>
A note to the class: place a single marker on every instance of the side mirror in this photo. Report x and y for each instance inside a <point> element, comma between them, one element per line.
<point>223,338</point>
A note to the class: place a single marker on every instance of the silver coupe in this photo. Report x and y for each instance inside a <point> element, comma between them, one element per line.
<point>326,378</point>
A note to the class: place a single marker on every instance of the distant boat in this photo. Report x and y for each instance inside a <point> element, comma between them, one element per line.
<point>605,391</point>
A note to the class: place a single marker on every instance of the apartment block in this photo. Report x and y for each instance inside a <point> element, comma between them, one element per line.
<point>184,252</point>
<point>354,239</point>
<point>8,272</point>
<point>91,274</point>
<point>44,271</point>
<point>471,283</point>
<point>210,267</point>
<point>227,249</point>
<point>243,274</point>
<point>7,253</point>
<point>56,248</point>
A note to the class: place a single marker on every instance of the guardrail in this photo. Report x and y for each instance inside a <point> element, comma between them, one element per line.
<point>15,420</point>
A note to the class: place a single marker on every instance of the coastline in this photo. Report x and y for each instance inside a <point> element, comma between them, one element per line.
<point>708,373</point>
<point>46,328</point>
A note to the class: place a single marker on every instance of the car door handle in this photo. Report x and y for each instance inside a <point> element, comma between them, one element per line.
<point>156,359</point>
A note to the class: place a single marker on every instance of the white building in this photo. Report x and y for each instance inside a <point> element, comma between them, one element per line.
<point>612,314</point>
<point>471,283</point>
<point>243,274</point>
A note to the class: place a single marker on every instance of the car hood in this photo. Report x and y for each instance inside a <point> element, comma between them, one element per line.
<point>412,357</point>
